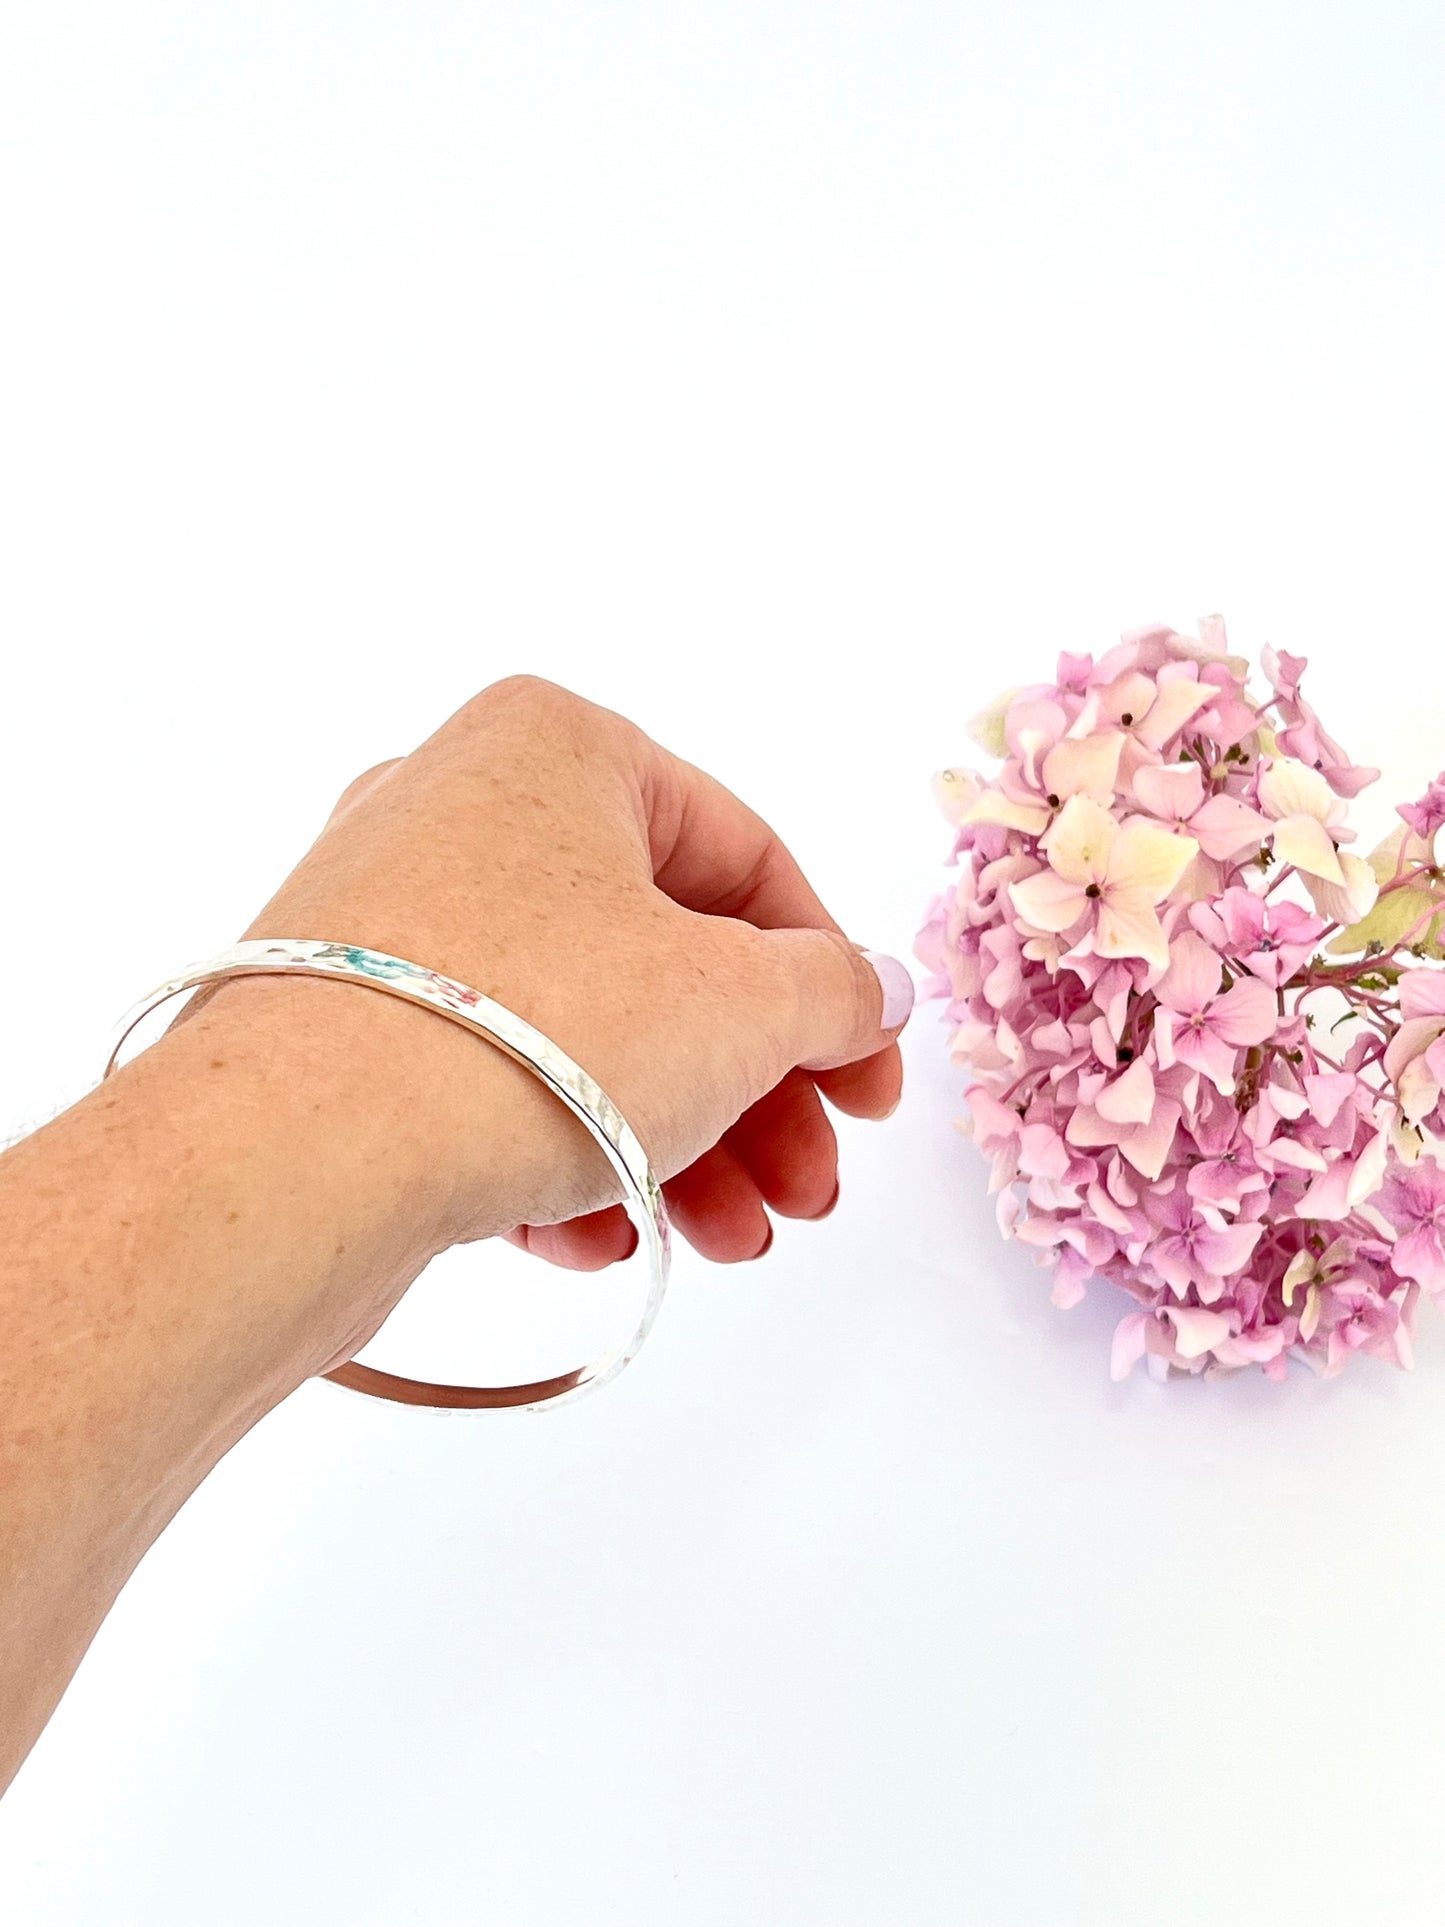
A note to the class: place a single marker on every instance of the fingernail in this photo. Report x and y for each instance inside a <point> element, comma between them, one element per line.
<point>897,981</point>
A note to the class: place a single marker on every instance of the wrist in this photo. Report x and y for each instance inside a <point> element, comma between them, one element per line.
<point>407,1119</point>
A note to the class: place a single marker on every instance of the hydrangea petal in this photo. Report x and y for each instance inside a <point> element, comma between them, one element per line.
<point>1081,840</point>
<point>1225,825</point>
<point>1171,709</point>
<point>1087,766</point>
<point>987,727</point>
<point>1145,857</point>
<point>1048,901</point>
<point>1173,791</point>
<point>1128,927</point>
<point>1307,844</point>
<point>1348,901</point>
<point>1196,1331</point>
<point>1226,1252</point>
<point>1422,994</point>
<point>1194,978</point>
<point>1246,1014</point>
<point>1411,1040</point>
<point>1130,1098</point>
<point>992,806</point>
<point>1291,788</point>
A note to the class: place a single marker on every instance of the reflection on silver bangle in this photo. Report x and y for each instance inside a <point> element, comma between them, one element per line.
<point>282,956</point>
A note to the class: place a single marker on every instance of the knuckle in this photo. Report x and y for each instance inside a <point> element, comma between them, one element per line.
<point>546,711</point>
<point>770,991</point>
<point>855,980</point>
<point>529,691</point>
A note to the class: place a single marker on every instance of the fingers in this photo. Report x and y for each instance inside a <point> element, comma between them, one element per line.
<point>714,1204</point>
<point>870,1088</point>
<point>590,1243</point>
<point>780,1156</point>
<point>718,1208</point>
<point>787,1146</point>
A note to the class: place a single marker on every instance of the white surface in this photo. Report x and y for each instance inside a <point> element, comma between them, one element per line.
<point>788,377</point>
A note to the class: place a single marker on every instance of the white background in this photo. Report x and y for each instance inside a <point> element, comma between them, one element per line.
<point>788,376</point>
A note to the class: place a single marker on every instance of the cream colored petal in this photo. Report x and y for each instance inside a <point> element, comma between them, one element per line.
<point>1306,843</point>
<point>1369,1173</point>
<point>1047,901</point>
<point>954,790</point>
<point>1407,1141</point>
<point>1419,1089</point>
<point>1046,950</point>
<point>992,806</point>
<point>1348,901</point>
<point>1147,857</point>
<point>1310,1316</point>
<point>1292,788</point>
<point>987,727</point>
<point>1171,709</point>
<point>1200,881</point>
<point>1411,1040</point>
<point>1128,927</point>
<point>1080,840</point>
<point>1089,764</point>
<point>1301,1270</point>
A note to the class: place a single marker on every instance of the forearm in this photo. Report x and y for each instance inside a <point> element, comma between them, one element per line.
<point>243,1205</point>
<point>231,1213</point>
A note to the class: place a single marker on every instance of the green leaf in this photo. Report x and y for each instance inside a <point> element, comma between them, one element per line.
<point>1387,923</point>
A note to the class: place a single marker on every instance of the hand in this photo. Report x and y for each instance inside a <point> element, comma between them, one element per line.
<point>241,1205</point>
<point>547,852</point>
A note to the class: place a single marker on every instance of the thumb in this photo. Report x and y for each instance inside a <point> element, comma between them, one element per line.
<point>848,1003</point>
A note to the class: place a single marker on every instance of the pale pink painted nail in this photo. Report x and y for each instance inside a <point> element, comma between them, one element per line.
<point>897,981</point>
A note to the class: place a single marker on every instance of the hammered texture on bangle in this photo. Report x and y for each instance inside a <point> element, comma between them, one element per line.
<point>583,1096</point>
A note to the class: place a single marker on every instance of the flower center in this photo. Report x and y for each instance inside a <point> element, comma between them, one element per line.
<point>1093,891</point>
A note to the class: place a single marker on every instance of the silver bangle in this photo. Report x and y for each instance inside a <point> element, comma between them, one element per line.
<point>347,963</point>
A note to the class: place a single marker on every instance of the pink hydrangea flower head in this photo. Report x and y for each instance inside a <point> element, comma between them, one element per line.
<point>1206,1040</point>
